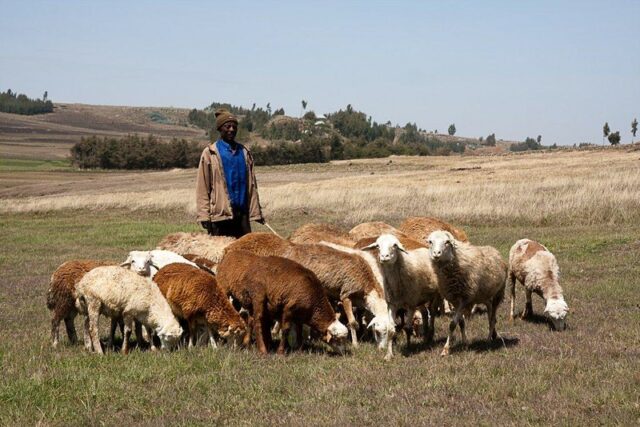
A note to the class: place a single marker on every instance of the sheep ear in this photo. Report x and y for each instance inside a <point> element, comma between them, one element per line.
<point>327,337</point>
<point>126,264</point>
<point>401,248</point>
<point>374,245</point>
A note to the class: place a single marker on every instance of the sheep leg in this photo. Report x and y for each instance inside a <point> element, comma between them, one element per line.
<point>428,327</point>
<point>193,333</point>
<point>139,340</point>
<point>212,337</point>
<point>491,313</point>
<point>93,313</point>
<point>285,327</point>
<point>392,330</point>
<point>408,324</point>
<point>261,327</point>
<point>128,326</point>
<point>87,335</point>
<point>512,279</point>
<point>150,334</point>
<point>112,332</point>
<point>351,320</point>
<point>457,316</point>
<point>528,307</point>
<point>71,328</point>
<point>55,330</point>
<point>463,328</point>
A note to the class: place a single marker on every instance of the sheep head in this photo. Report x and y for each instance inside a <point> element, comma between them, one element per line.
<point>388,246</point>
<point>441,246</point>
<point>170,334</point>
<point>336,336</point>
<point>235,333</point>
<point>139,262</point>
<point>383,330</point>
<point>556,311</point>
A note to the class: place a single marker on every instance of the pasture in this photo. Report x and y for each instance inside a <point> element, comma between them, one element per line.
<point>583,205</point>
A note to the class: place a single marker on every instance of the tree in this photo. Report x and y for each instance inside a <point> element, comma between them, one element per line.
<point>491,140</point>
<point>304,106</point>
<point>452,129</point>
<point>614,138</point>
<point>605,131</point>
<point>269,108</point>
<point>634,128</point>
<point>44,97</point>
<point>539,139</point>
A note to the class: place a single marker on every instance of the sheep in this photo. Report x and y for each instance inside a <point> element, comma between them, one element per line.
<point>209,247</point>
<point>118,292</point>
<point>147,263</point>
<point>419,228</point>
<point>194,296</point>
<point>346,277</point>
<point>202,263</point>
<point>374,229</point>
<point>61,296</point>
<point>276,288</point>
<point>467,275</point>
<point>409,279</point>
<point>537,269</point>
<point>316,233</point>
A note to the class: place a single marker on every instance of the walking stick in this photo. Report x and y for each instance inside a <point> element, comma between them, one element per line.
<point>271,229</point>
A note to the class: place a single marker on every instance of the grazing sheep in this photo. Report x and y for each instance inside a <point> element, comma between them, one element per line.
<point>419,228</point>
<point>118,292</point>
<point>409,280</point>
<point>61,296</point>
<point>537,269</point>
<point>147,263</point>
<point>316,233</point>
<point>274,288</point>
<point>346,277</point>
<point>209,247</point>
<point>374,229</point>
<point>194,296</point>
<point>467,275</point>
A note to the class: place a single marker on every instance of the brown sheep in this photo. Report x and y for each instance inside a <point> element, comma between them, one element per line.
<point>374,229</point>
<point>61,296</point>
<point>316,233</point>
<point>278,289</point>
<point>419,228</point>
<point>194,296</point>
<point>209,247</point>
<point>346,277</point>
<point>202,262</point>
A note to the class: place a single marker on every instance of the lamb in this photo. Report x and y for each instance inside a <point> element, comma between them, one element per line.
<point>409,280</point>
<point>147,263</point>
<point>467,275</point>
<point>419,228</point>
<point>118,292</point>
<point>316,233</point>
<point>194,296</point>
<point>537,269</point>
<point>209,247</point>
<point>61,296</point>
<point>346,277</point>
<point>374,229</point>
<point>275,288</point>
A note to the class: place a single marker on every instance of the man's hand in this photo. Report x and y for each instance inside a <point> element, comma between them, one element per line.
<point>260,221</point>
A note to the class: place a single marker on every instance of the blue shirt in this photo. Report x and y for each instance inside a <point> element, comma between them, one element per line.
<point>234,167</point>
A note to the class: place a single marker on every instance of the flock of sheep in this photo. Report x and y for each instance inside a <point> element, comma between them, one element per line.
<point>378,278</point>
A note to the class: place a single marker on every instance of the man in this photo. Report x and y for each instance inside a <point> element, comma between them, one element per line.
<point>226,189</point>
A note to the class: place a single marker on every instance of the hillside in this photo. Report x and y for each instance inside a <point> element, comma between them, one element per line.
<point>50,136</point>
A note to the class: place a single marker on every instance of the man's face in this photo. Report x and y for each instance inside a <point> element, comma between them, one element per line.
<point>228,131</point>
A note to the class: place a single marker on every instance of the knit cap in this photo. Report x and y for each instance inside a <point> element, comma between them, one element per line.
<point>223,116</point>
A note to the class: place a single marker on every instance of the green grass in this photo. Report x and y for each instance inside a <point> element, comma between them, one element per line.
<point>589,374</point>
<point>18,165</point>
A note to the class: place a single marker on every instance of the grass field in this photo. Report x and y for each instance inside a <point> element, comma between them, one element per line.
<point>589,374</point>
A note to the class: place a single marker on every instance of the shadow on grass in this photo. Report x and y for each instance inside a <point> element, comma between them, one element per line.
<point>482,346</point>
<point>418,345</point>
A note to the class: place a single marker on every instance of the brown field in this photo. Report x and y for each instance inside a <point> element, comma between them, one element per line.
<point>584,205</point>
<point>50,136</point>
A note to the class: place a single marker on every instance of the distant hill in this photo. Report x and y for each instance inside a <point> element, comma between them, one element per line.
<point>50,136</point>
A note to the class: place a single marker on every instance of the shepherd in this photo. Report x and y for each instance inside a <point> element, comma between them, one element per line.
<point>226,188</point>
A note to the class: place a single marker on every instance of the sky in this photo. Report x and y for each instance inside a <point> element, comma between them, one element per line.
<point>559,69</point>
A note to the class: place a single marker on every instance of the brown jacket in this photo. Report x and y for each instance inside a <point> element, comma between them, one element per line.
<point>212,197</point>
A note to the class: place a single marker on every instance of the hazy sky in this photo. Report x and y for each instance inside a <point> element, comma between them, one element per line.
<point>516,68</point>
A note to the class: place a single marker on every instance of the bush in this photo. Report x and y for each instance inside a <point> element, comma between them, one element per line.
<point>135,152</point>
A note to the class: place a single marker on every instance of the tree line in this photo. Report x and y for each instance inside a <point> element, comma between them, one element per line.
<point>12,102</point>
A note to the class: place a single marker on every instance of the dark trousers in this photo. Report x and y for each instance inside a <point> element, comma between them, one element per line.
<point>236,227</point>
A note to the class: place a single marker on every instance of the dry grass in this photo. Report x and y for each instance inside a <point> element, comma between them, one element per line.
<point>550,188</point>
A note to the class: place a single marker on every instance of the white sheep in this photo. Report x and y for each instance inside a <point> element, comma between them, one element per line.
<point>147,263</point>
<point>467,275</point>
<point>409,279</point>
<point>537,269</point>
<point>118,292</point>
